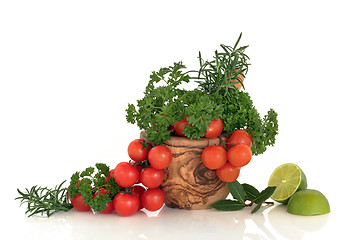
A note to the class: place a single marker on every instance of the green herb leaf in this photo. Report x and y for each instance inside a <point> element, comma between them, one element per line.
<point>44,200</point>
<point>237,191</point>
<point>263,195</point>
<point>255,209</point>
<point>88,182</point>
<point>251,192</point>
<point>73,188</point>
<point>112,187</point>
<point>87,172</point>
<point>102,168</point>
<point>228,205</point>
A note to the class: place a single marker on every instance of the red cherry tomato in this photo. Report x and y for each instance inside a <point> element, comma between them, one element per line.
<point>136,150</point>
<point>239,137</point>
<point>138,190</point>
<point>215,128</point>
<point>109,206</point>
<point>228,173</point>
<point>171,128</point>
<point>126,204</point>
<point>153,199</point>
<point>239,155</point>
<point>160,157</point>
<point>126,174</point>
<point>214,157</point>
<point>180,126</point>
<point>151,177</point>
<point>78,203</point>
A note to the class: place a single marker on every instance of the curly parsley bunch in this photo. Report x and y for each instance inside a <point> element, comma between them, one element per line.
<point>165,102</point>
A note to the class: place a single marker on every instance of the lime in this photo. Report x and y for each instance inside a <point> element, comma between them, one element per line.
<point>288,179</point>
<point>308,202</point>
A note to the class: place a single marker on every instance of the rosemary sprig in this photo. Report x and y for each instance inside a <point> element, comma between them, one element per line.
<point>226,66</point>
<point>44,200</point>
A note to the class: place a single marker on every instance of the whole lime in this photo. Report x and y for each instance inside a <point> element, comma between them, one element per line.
<point>308,202</point>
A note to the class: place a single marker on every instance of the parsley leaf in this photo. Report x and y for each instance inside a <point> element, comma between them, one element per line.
<point>89,181</point>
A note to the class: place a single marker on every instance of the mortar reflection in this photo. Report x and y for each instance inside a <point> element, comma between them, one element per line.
<point>170,223</point>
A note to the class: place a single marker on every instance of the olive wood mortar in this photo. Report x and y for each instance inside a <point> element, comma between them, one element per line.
<point>188,184</point>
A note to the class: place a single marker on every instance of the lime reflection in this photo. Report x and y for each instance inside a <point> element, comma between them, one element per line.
<point>294,226</point>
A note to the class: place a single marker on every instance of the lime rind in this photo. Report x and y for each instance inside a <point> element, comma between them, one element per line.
<point>288,178</point>
<point>308,202</point>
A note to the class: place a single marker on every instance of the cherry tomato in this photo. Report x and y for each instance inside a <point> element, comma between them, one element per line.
<point>215,128</point>
<point>180,126</point>
<point>171,128</point>
<point>153,199</point>
<point>214,157</point>
<point>78,203</point>
<point>239,137</point>
<point>138,190</point>
<point>239,155</point>
<point>151,177</point>
<point>228,173</point>
<point>160,157</point>
<point>126,174</point>
<point>136,151</point>
<point>109,206</point>
<point>126,204</point>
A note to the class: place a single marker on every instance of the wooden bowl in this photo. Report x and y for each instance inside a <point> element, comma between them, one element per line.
<point>188,184</point>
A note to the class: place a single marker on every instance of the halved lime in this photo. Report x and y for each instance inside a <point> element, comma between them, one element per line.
<point>308,202</point>
<point>288,179</point>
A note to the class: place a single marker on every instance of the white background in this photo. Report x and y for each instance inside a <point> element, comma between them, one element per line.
<point>68,69</point>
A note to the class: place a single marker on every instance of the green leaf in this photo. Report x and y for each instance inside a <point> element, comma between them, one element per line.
<point>265,194</point>
<point>237,191</point>
<point>112,187</point>
<point>238,40</point>
<point>87,172</point>
<point>251,192</point>
<point>99,202</point>
<point>103,168</point>
<point>73,189</point>
<point>256,208</point>
<point>228,205</point>
<point>44,200</point>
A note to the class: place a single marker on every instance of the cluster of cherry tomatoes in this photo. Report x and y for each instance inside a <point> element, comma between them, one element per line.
<point>143,175</point>
<point>228,163</point>
<point>138,180</point>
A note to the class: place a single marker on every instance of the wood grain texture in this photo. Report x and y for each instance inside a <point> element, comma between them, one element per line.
<point>188,184</point>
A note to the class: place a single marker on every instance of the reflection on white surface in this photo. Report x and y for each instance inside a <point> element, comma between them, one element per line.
<point>293,226</point>
<point>273,223</point>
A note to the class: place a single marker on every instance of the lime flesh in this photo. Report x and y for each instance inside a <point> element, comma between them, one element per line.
<point>288,179</point>
<point>308,202</point>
